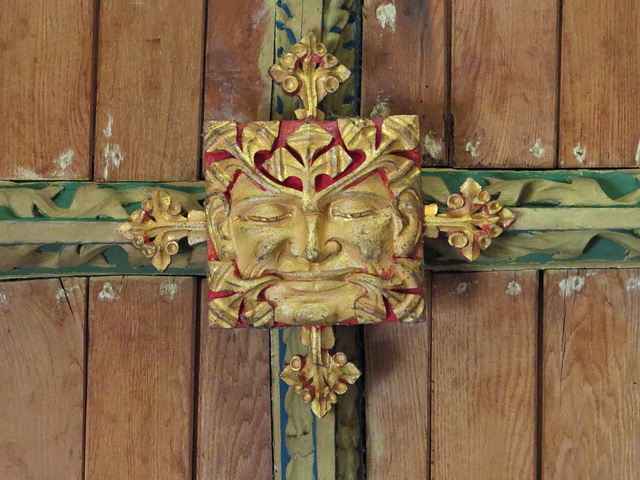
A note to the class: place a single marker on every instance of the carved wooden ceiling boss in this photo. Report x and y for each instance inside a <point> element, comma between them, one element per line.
<point>315,223</point>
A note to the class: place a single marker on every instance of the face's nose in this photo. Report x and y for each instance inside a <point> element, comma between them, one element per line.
<point>312,241</point>
<point>306,241</point>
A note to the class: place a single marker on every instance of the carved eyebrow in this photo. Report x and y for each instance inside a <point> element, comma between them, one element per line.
<point>356,194</point>
<point>250,201</point>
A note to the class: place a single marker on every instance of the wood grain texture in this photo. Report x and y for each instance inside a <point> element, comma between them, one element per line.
<point>45,88</point>
<point>42,378</point>
<point>140,378</point>
<point>599,114</point>
<point>234,407</point>
<point>484,376</point>
<point>503,83</point>
<point>237,86</point>
<point>149,90</point>
<point>397,386</point>
<point>403,67</point>
<point>591,393</point>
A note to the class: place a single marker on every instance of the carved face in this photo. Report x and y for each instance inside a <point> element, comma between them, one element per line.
<point>313,233</point>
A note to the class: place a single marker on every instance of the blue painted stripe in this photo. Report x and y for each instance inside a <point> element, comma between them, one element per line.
<point>350,45</point>
<point>290,36</point>
<point>284,8</point>
<point>285,458</point>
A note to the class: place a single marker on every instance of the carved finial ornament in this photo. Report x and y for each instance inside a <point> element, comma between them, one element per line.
<point>471,222</point>
<point>314,223</point>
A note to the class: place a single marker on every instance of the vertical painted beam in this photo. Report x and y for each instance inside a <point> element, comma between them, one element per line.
<point>293,20</point>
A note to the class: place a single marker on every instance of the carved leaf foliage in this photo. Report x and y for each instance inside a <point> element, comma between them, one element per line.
<point>399,133</point>
<point>222,137</point>
<point>358,134</point>
<point>578,192</point>
<point>259,136</point>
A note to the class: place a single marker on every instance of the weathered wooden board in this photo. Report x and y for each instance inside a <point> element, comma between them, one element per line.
<point>234,406</point>
<point>42,378</point>
<point>140,378</point>
<point>599,114</point>
<point>397,386</point>
<point>46,89</point>
<point>503,83</point>
<point>591,375</point>
<point>149,90</point>
<point>237,86</point>
<point>234,409</point>
<point>484,375</point>
<point>403,67</point>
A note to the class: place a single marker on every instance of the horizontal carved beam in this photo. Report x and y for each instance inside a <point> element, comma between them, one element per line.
<point>565,218</point>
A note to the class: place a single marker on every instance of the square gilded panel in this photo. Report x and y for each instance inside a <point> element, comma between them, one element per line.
<point>314,222</point>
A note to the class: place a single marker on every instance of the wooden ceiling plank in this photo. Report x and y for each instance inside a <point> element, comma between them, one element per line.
<point>591,374</point>
<point>600,87</point>
<point>46,57</point>
<point>403,67</point>
<point>140,378</point>
<point>234,401</point>
<point>484,368</point>
<point>149,90</point>
<point>42,332</point>
<point>503,83</point>
<point>397,376</point>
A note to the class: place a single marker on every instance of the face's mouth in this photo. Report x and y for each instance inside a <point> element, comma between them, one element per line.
<point>317,275</point>
<point>311,286</point>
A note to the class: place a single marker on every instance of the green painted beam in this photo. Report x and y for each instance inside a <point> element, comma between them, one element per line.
<point>566,218</point>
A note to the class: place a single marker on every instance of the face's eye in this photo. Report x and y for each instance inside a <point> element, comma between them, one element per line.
<point>352,208</point>
<point>266,212</point>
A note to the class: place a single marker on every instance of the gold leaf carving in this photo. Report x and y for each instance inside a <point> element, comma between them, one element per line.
<point>258,137</point>
<point>472,221</point>
<point>309,73</point>
<point>156,228</point>
<point>319,376</point>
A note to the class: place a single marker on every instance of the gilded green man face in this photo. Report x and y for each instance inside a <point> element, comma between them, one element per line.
<point>320,235</point>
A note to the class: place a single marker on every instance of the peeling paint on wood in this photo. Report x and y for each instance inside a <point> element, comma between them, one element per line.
<point>537,150</point>
<point>107,292</point>
<point>386,15</point>
<point>569,286</point>
<point>514,288</point>
<point>62,162</point>
<point>580,153</point>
